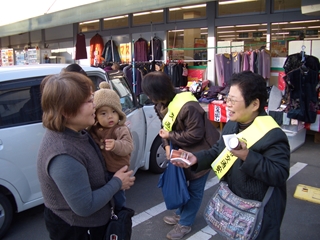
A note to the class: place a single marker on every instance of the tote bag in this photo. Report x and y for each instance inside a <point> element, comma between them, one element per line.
<point>174,187</point>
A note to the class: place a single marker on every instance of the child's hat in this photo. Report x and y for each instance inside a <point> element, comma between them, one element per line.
<point>108,97</point>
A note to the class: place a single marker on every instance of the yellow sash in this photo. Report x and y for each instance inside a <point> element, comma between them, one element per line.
<point>174,108</point>
<point>260,126</point>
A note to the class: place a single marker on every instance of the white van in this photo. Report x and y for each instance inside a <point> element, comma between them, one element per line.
<point>21,132</point>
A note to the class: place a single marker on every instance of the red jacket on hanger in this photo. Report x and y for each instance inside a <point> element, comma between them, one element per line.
<point>96,44</point>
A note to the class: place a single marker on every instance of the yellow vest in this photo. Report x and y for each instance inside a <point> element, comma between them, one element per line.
<point>174,108</point>
<point>260,126</point>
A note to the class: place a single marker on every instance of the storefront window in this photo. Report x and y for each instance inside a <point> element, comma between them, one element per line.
<point>283,32</point>
<point>241,37</point>
<point>188,44</point>
<point>187,12</point>
<point>143,18</point>
<point>89,26</point>
<point>285,5</point>
<point>241,7</point>
<point>116,22</point>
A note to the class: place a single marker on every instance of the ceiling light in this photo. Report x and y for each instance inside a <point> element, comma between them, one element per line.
<point>249,25</point>
<point>226,32</point>
<point>93,21</point>
<point>279,23</point>
<point>253,30</point>
<point>176,30</point>
<point>142,13</point>
<point>117,17</point>
<point>314,27</point>
<point>235,1</point>
<point>309,21</point>
<point>174,9</point>
<point>203,33</point>
<point>293,28</point>
<point>226,27</point>
<point>157,11</point>
<point>194,6</point>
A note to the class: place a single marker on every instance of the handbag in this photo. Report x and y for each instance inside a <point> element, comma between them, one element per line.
<point>234,217</point>
<point>174,187</point>
<point>120,224</point>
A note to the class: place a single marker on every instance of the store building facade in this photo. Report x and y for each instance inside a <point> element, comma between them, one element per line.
<point>190,31</point>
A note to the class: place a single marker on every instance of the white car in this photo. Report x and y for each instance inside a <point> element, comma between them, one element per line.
<point>21,132</point>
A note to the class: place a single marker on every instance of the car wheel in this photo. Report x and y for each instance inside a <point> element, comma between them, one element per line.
<point>158,159</point>
<point>6,215</point>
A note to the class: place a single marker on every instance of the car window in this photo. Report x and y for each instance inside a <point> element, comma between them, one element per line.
<point>20,102</point>
<point>126,99</point>
<point>96,80</point>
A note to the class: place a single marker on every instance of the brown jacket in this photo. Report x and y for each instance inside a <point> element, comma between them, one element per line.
<point>192,131</point>
<point>120,155</point>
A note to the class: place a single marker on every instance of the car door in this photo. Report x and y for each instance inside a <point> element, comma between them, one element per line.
<point>21,133</point>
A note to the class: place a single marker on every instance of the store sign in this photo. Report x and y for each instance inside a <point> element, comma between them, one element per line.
<point>312,32</point>
<point>294,33</point>
<point>257,34</point>
<point>243,35</point>
<point>125,52</point>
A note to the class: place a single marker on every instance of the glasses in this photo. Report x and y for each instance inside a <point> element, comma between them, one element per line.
<point>232,101</point>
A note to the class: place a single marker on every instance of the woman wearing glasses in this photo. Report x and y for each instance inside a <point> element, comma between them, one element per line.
<point>265,163</point>
<point>71,169</point>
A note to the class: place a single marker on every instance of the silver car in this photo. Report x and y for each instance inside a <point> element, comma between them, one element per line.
<point>21,132</point>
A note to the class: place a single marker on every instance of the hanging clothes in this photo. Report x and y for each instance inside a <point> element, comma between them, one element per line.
<point>175,72</point>
<point>302,85</point>
<point>141,50</point>
<point>155,49</point>
<point>140,70</point>
<point>224,68</point>
<point>110,52</point>
<point>264,63</point>
<point>81,50</point>
<point>96,47</point>
<point>236,62</point>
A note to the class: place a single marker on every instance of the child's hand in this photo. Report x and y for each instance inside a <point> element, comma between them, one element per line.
<point>109,144</point>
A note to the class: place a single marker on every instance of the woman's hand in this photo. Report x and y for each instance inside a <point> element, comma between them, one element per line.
<point>241,153</point>
<point>126,177</point>
<point>163,134</point>
<point>192,159</point>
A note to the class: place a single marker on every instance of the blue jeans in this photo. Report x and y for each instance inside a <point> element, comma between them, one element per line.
<point>189,211</point>
<point>119,198</point>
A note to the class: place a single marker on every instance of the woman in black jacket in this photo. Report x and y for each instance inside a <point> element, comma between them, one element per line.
<point>266,163</point>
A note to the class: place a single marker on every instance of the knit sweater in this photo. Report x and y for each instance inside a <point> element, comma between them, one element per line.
<point>81,148</point>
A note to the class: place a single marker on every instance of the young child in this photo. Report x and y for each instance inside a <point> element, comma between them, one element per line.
<point>111,134</point>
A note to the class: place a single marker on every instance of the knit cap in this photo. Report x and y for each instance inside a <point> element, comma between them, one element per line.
<point>108,97</point>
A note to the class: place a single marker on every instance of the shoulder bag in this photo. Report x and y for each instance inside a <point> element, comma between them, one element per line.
<point>234,217</point>
<point>120,224</point>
